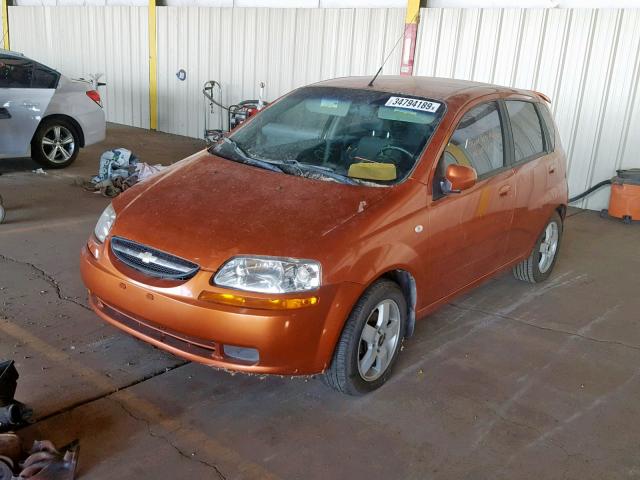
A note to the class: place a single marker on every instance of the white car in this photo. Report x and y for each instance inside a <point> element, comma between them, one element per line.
<point>45,115</point>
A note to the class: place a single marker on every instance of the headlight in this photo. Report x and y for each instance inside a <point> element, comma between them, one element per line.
<point>269,274</point>
<point>105,222</point>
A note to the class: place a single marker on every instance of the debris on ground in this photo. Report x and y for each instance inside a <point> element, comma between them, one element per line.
<point>2,211</point>
<point>12,413</point>
<point>118,162</point>
<point>119,169</point>
<point>39,171</point>
<point>43,462</point>
<point>144,170</point>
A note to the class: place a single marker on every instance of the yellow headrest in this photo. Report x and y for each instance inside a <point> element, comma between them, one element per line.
<point>373,171</point>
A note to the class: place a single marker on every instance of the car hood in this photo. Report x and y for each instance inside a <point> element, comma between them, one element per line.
<point>207,209</point>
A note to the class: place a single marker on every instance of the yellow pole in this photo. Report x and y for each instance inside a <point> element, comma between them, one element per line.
<point>153,67</point>
<point>410,37</point>
<point>413,9</point>
<point>5,25</point>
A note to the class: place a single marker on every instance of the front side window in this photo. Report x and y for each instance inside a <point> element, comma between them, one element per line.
<point>477,142</point>
<point>526,129</point>
<point>349,135</point>
<point>15,72</point>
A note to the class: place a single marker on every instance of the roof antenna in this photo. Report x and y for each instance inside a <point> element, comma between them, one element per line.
<point>370,84</point>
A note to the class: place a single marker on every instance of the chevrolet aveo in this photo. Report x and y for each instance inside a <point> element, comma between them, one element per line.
<point>311,238</point>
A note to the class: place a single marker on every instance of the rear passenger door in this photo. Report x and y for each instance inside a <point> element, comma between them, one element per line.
<point>469,231</point>
<point>26,88</point>
<point>535,168</point>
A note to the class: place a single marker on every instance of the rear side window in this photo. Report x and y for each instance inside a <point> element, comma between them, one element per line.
<point>477,142</point>
<point>551,129</point>
<point>44,77</point>
<point>526,129</point>
<point>15,72</point>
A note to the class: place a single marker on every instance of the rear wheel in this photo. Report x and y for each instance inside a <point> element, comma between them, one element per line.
<point>56,143</point>
<point>370,341</point>
<point>542,259</point>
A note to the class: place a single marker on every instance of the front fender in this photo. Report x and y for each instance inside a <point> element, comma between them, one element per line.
<point>378,260</point>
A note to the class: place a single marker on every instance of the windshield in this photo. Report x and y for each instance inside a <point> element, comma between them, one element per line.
<point>339,134</point>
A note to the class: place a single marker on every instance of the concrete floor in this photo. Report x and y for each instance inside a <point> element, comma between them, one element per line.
<point>510,381</point>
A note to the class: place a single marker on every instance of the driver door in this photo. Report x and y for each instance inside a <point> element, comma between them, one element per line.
<point>469,230</point>
<point>21,106</point>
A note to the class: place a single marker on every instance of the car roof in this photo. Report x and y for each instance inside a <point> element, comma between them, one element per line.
<point>11,53</point>
<point>445,89</point>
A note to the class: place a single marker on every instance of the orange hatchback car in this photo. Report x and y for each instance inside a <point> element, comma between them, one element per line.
<point>312,237</point>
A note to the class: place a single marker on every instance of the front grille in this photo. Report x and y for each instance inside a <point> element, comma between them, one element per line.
<point>152,262</point>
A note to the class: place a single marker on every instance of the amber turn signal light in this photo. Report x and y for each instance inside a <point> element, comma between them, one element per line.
<point>252,302</point>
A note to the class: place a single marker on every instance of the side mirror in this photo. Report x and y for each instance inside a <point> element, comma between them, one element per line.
<point>458,178</point>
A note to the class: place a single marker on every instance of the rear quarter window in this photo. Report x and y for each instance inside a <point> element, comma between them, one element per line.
<point>550,124</point>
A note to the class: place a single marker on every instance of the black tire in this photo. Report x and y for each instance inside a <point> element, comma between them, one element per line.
<point>344,374</point>
<point>41,152</point>
<point>529,270</point>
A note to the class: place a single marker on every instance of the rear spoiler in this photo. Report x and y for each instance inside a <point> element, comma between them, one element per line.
<point>542,96</point>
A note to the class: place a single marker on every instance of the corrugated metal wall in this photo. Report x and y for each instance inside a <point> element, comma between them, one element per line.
<point>1,29</point>
<point>587,61</point>
<point>79,41</point>
<point>285,48</point>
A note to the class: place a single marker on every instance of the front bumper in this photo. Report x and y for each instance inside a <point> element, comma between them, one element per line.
<point>170,316</point>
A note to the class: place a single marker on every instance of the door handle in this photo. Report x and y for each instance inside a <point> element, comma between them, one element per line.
<point>4,114</point>
<point>504,190</point>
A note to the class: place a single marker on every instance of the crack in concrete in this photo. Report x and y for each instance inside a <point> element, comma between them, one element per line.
<point>107,394</point>
<point>47,277</point>
<point>548,329</point>
<point>166,439</point>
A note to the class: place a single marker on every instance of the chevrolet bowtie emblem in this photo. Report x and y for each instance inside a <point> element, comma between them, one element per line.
<point>146,257</point>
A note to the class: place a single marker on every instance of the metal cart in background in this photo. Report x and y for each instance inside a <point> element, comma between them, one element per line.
<point>236,114</point>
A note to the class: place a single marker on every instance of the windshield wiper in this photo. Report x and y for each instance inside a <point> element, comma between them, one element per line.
<point>322,171</point>
<point>239,155</point>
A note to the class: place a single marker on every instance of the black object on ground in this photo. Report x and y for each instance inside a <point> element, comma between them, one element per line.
<point>13,414</point>
<point>8,382</point>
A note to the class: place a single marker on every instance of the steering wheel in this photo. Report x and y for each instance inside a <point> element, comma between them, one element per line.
<point>321,150</point>
<point>399,149</point>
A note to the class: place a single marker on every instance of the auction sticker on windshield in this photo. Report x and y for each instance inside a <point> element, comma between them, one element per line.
<point>413,104</point>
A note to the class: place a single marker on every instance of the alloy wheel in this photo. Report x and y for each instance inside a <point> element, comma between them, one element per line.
<point>548,247</point>
<point>58,144</point>
<point>379,340</point>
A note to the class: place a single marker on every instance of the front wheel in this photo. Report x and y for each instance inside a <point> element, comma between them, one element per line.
<point>370,341</point>
<point>56,143</point>
<point>542,259</point>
